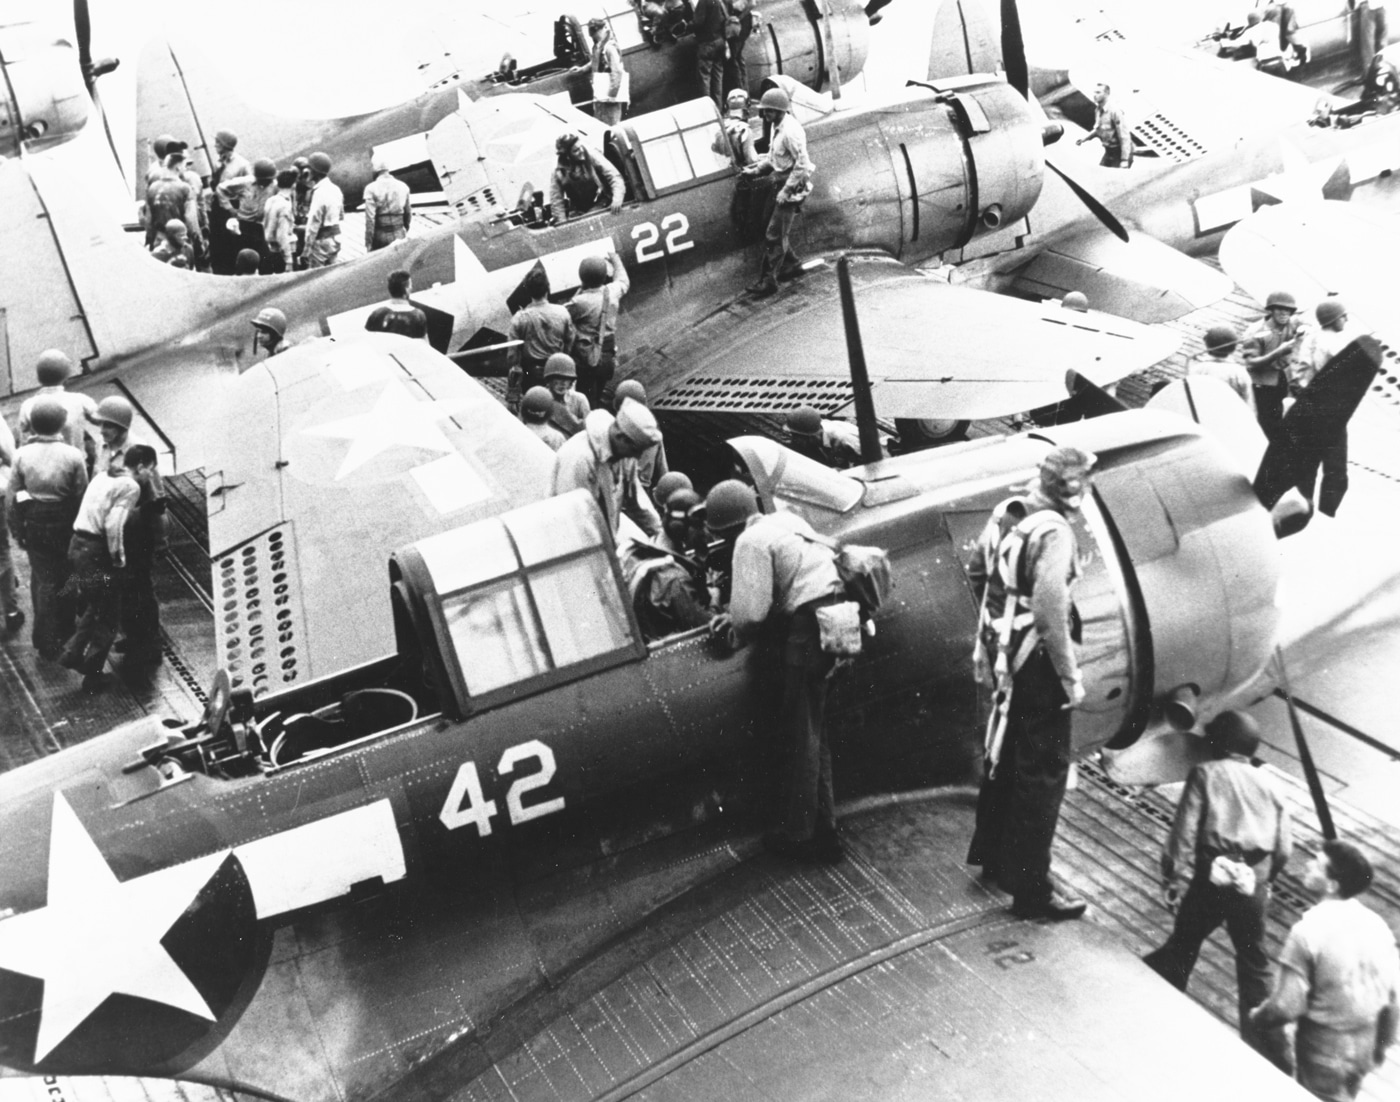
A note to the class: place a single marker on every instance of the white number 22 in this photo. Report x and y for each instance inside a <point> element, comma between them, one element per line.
<point>648,237</point>
<point>467,805</point>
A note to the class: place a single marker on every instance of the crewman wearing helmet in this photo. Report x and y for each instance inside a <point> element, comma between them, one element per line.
<point>570,407</point>
<point>1023,570</point>
<point>603,281</point>
<point>1267,349</point>
<point>736,139</point>
<point>583,180</point>
<point>652,463</point>
<point>323,215</point>
<point>53,369</point>
<point>535,410</point>
<point>831,443</point>
<point>248,196</point>
<point>1218,362</point>
<point>229,165</point>
<point>46,486</point>
<point>11,618</point>
<point>113,417</point>
<point>1313,433</point>
<point>791,170</point>
<point>1231,838</point>
<point>780,575</point>
<point>388,207</point>
<point>270,331</point>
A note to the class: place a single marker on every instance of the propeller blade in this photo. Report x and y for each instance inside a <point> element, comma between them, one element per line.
<point>1099,211</point>
<point>1013,49</point>
<point>82,25</point>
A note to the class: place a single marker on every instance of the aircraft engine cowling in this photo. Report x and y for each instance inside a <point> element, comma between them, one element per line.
<point>791,39</point>
<point>1178,596</point>
<point>44,100</point>
<point>965,165</point>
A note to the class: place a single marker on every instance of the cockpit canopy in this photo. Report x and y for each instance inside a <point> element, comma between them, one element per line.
<point>520,602</point>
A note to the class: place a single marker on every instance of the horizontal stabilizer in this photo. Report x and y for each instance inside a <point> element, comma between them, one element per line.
<point>1141,279</point>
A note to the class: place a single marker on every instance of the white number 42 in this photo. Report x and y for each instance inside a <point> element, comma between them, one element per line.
<point>467,804</point>
<point>650,243</point>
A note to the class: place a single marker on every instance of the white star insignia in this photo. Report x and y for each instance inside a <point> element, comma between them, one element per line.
<point>397,420</point>
<point>98,936</point>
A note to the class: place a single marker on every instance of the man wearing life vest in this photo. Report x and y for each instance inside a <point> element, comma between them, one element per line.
<point>1024,568</point>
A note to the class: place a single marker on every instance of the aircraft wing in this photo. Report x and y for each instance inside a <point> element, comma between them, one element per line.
<point>933,349</point>
<point>1319,249</point>
<point>324,460</point>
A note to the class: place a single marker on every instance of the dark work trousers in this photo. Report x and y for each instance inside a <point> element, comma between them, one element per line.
<point>1268,405</point>
<point>99,602</point>
<point>806,804</point>
<point>1333,461</point>
<point>1203,908</point>
<point>48,530</point>
<point>1112,156</point>
<point>778,256</point>
<point>253,237</point>
<point>709,62</point>
<point>223,245</point>
<point>1019,808</point>
<point>1333,1062</point>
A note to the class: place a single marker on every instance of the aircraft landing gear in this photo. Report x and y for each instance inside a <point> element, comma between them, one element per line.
<point>915,434</point>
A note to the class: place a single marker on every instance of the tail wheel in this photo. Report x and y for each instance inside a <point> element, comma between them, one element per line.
<point>929,432</point>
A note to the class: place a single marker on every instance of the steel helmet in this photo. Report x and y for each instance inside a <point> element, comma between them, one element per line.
<point>113,410</point>
<point>1283,299</point>
<point>804,421</point>
<point>1330,310</point>
<point>1233,733</point>
<point>737,98</point>
<point>161,144</point>
<point>592,271</point>
<point>729,505</point>
<point>320,164</point>
<point>47,415</point>
<point>681,502</point>
<point>629,388</point>
<point>273,320</point>
<point>669,483</point>
<point>560,365</point>
<point>538,400</point>
<point>1220,336</point>
<point>1076,300</point>
<point>265,170</point>
<point>53,367</point>
<point>775,99</point>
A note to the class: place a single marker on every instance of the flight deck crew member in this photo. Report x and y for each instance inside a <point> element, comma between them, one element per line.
<point>781,575</point>
<point>583,180</point>
<point>543,326</point>
<point>535,409</point>
<point>570,407</point>
<point>301,203</point>
<point>53,369</point>
<point>1023,569</point>
<point>652,463</point>
<point>594,309</point>
<point>710,48</point>
<point>323,216</point>
<point>830,443</point>
<point>46,488</point>
<point>399,315</point>
<point>145,535</point>
<point>279,225</point>
<point>224,244</point>
<point>10,613</point>
<point>95,554</point>
<point>1331,373</point>
<point>1218,362</point>
<point>1337,978</point>
<point>270,331</point>
<point>610,82</point>
<point>113,417</point>
<point>173,246</point>
<point>248,195</point>
<point>388,207</point>
<point>1111,129</point>
<point>1229,841</point>
<point>1268,350</point>
<point>599,460</point>
<point>668,484</point>
<point>736,138</point>
<point>792,170</point>
<point>169,196</point>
